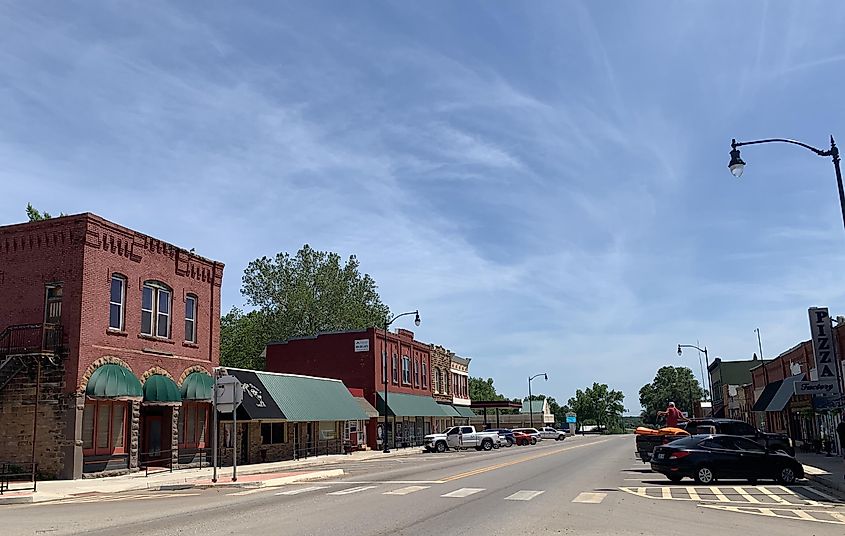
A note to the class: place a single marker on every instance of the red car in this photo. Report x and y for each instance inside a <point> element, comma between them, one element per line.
<point>523,439</point>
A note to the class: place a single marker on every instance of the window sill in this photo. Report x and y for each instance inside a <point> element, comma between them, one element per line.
<point>116,332</point>
<point>156,339</point>
<point>189,344</point>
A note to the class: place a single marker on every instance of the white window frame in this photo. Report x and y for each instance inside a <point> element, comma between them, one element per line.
<point>121,305</point>
<point>155,314</point>
<point>406,370</point>
<point>191,298</point>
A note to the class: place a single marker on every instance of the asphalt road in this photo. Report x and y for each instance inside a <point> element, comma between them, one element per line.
<point>591,485</point>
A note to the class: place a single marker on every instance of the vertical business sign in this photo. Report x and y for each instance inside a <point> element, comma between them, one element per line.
<point>823,350</point>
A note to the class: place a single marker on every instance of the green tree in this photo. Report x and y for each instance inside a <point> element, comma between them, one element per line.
<point>34,215</point>
<point>295,296</point>
<point>600,404</point>
<point>481,389</point>
<point>670,384</point>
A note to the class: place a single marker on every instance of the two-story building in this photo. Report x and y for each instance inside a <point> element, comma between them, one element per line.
<point>108,338</point>
<point>396,381</point>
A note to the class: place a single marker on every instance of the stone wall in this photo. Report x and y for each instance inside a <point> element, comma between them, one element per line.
<point>55,409</point>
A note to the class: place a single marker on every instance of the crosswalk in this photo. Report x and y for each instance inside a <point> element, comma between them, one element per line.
<point>771,495</point>
<point>459,493</point>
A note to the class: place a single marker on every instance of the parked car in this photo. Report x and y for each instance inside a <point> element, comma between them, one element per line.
<point>547,432</point>
<point>736,427</point>
<point>522,438</point>
<point>461,437</point>
<point>533,432</point>
<point>706,458</point>
<point>506,435</point>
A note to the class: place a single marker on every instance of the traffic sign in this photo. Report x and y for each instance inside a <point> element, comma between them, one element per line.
<point>230,394</point>
<point>571,417</point>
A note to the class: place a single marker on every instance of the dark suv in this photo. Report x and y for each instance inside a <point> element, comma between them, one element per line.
<point>774,442</point>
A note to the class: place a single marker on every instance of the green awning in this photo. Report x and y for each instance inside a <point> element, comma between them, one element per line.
<point>159,389</point>
<point>464,411</point>
<point>197,386</point>
<point>306,398</point>
<point>402,405</point>
<point>448,410</point>
<point>113,381</point>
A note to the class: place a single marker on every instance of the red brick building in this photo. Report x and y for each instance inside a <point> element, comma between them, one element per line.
<point>357,359</point>
<point>118,332</point>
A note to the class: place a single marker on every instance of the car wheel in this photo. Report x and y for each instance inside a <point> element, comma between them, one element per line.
<point>496,445</point>
<point>675,478</point>
<point>510,443</point>
<point>440,447</point>
<point>704,475</point>
<point>487,444</point>
<point>533,440</point>
<point>786,475</point>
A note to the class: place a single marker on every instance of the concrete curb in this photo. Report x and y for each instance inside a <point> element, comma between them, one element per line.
<point>831,482</point>
<point>270,483</point>
<point>16,499</point>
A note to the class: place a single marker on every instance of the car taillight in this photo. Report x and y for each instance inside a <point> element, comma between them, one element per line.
<point>678,455</point>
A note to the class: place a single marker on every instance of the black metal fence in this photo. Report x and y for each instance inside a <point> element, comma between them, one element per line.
<point>410,441</point>
<point>16,476</point>
<point>321,447</point>
<point>157,461</point>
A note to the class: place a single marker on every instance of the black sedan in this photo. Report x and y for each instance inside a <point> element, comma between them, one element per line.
<point>506,434</point>
<point>706,458</point>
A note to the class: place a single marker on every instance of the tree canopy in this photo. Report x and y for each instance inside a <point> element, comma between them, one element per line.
<point>670,384</point>
<point>295,296</point>
<point>34,215</point>
<point>598,403</point>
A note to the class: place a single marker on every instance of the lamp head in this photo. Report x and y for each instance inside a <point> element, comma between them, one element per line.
<point>546,376</point>
<point>417,319</point>
<point>679,350</point>
<point>736,165</point>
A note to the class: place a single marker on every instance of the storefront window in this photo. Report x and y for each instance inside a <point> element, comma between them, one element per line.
<point>193,422</point>
<point>104,427</point>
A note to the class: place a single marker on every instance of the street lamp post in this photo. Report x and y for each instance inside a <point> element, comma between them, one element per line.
<point>530,405</point>
<point>707,362</point>
<point>737,166</point>
<point>384,362</point>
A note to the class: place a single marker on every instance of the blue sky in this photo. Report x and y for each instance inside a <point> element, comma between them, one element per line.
<point>545,181</point>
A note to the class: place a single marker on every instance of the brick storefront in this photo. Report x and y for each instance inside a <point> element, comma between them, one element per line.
<point>121,302</point>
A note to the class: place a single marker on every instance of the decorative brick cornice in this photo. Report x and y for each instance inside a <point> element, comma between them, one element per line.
<point>191,370</point>
<point>83,381</point>
<point>152,371</point>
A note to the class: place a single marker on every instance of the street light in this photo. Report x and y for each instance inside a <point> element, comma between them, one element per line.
<point>707,360</point>
<point>387,324</point>
<point>530,405</point>
<point>737,165</point>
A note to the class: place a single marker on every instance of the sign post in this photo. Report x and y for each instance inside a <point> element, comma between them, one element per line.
<point>572,420</point>
<point>214,436</point>
<point>228,395</point>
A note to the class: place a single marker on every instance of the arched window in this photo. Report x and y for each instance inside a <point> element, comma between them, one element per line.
<point>191,318</point>
<point>156,305</point>
<point>117,302</point>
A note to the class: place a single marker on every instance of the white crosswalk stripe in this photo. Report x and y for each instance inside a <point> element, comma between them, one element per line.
<point>524,495</point>
<point>589,498</point>
<point>463,492</point>
<point>406,490</point>
<point>301,490</point>
<point>350,491</point>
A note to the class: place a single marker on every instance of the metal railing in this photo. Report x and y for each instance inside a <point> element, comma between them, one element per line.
<point>162,459</point>
<point>407,442</point>
<point>322,447</point>
<point>31,339</point>
<point>14,473</point>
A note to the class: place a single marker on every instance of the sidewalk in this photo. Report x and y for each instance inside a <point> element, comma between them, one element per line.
<point>827,471</point>
<point>249,476</point>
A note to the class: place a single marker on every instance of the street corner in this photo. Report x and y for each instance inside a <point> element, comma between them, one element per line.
<point>258,480</point>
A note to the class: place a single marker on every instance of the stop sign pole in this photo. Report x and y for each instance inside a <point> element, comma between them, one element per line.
<point>228,395</point>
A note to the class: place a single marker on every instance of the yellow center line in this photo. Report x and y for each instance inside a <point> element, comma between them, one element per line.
<point>489,468</point>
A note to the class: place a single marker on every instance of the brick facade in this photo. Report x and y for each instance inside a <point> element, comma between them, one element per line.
<point>82,253</point>
<point>334,355</point>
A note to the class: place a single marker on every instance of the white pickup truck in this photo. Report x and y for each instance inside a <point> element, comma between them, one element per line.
<point>462,437</point>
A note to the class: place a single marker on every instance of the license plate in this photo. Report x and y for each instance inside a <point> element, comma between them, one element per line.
<point>660,456</point>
